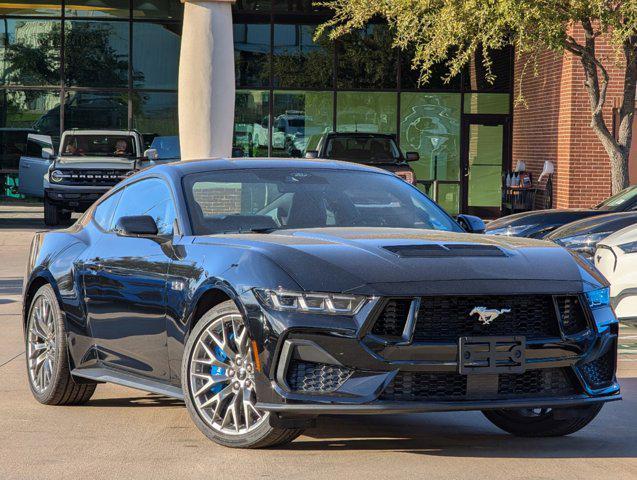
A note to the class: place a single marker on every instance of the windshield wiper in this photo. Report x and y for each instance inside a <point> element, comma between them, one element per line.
<point>250,230</point>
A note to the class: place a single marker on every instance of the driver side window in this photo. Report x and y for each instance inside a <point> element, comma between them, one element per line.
<point>148,197</point>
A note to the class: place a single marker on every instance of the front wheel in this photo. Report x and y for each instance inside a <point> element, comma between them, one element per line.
<point>543,422</point>
<point>52,213</point>
<point>218,383</point>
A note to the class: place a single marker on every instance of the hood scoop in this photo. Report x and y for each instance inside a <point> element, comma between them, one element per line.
<point>435,250</point>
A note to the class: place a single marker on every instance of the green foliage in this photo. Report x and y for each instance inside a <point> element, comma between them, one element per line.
<point>452,31</point>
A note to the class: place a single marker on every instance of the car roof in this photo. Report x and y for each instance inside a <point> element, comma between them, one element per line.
<point>187,167</point>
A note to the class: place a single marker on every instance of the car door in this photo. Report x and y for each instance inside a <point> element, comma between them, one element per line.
<point>34,165</point>
<point>125,284</point>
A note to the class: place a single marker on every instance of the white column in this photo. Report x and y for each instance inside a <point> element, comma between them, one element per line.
<point>206,80</point>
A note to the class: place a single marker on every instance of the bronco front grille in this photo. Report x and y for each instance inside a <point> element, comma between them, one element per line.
<point>446,318</point>
<point>92,177</point>
<point>423,386</point>
<point>309,377</point>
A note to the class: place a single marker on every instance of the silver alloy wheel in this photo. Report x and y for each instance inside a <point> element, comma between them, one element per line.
<point>42,344</point>
<point>221,379</point>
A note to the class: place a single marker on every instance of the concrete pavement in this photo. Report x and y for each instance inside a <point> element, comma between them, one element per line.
<point>123,433</point>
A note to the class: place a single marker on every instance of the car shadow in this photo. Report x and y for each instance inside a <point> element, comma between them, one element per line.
<point>11,286</point>
<point>150,400</point>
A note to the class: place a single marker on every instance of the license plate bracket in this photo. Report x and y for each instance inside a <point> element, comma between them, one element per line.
<point>491,355</point>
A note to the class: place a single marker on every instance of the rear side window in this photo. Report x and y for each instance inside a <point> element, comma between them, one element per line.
<point>103,214</point>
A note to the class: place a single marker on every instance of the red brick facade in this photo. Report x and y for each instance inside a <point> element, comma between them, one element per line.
<point>555,125</point>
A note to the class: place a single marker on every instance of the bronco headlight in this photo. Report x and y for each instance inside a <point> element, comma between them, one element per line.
<point>598,298</point>
<point>56,176</point>
<point>311,302</point>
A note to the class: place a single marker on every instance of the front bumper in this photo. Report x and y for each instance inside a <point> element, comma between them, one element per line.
<point>354,371</point>
<point>73,197</point>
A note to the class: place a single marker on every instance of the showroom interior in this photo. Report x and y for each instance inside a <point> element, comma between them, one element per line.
<point>114,64</point>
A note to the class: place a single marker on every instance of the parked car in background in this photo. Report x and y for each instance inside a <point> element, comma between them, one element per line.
<point>583,235</point>
<point>539,223</point>
<point>377,149</point>
<point>89,163</point>
<point>616,259</point>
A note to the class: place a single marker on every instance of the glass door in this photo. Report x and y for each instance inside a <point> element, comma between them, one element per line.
<point>485,156</point>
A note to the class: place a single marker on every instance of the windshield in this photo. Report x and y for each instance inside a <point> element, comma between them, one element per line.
<point>273,199</point>
<point>617,201</point>
<point>98,146</point>
<point>364,149</point>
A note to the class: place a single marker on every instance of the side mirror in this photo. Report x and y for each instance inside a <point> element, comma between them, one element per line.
<point>471,224</point>
<point>151,154</point>
<point>412,156</point>
<point>311,154</point>
<point>47,153</point>
<point>136,226</point>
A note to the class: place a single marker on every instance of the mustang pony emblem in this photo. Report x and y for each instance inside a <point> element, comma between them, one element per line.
<point>487,315</point>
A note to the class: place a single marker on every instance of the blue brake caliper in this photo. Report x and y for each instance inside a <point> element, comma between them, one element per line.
<point>215,370</point>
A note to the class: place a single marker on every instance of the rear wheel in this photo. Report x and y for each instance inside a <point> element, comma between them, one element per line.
<point>50,379</point>
<point>52,213</point>
<point>218,383</point>
<point>543,422</point>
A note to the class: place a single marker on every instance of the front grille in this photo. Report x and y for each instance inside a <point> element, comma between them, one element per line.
<point>418,386</point>
<point>309,377</point>
<point>421,386</point>
<point>392,319</point>
<point>447,318</point>
<point>600,373</point>
<point>572,313</point>
<point>105,178</point>
<point>550,382</point>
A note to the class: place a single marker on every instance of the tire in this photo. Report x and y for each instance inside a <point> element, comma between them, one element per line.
<point>224,321</point>
<point>51,213</point>
<point>543,422</point>
<point>56,386</point>
<point>65,216</point>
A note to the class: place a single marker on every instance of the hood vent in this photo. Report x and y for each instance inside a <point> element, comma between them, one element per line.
<point>435,250</point>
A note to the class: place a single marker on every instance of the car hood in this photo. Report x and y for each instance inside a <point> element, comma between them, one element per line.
<point>542,219</point>
<point>610,222</point>
<point>94,162</point>
<point>404,261</point>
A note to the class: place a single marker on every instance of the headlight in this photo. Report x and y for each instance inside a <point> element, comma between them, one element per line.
<point>511,231</point>
<point>56,176</point>
<point>327,303</point>
<point>598,298</point>
<point>629,247</point>
<point>584,244</point>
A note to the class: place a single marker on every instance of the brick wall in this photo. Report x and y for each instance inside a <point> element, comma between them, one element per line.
<point>555,125</point>
<point>218,200</point>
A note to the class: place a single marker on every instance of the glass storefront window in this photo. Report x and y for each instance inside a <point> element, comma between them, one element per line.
<point>366,59</point>
<point>487,103</point>
<point>30,52</point>
<point>155,113</point>
<point>300,62</point>
<point>299,117</point>
<point>251,123</point>
<point>251,54</point>
<point>430,125</point>
<point>485,165</point>
<point>36,8</point>
<point>366,112</point>
<point>304,6</point>
<point>96,53</point>
<point>253,5</point>
<point>97,8</point>
<point>23,112</point>
<point>156,55</point>
<point>158,9</point>
<point>96,110</point>
<point>409,78</point>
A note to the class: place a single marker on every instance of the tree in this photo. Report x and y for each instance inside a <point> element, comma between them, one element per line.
<point>453,31</point>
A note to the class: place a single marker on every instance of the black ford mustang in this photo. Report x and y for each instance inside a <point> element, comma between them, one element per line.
<point>267,292</point>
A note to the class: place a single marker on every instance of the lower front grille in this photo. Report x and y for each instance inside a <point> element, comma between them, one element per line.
<point>600,373</point>
<point>421,386</point>
<point>572,313</point>
<point>309,377</point>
